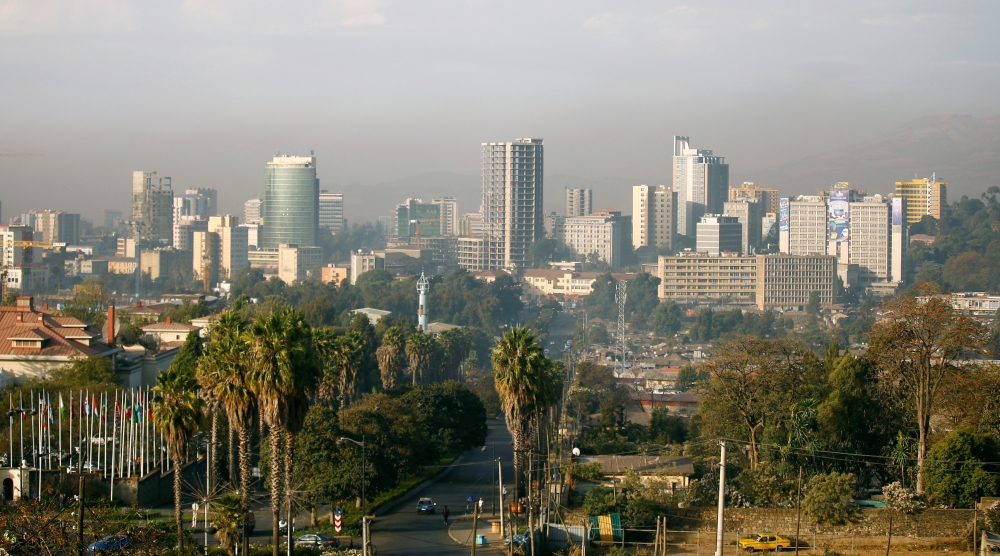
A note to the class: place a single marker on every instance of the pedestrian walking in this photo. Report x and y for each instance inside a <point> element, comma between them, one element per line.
<point>446,514</point>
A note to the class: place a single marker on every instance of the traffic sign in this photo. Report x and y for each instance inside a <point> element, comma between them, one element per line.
<point>337,524</point>
<point>469,499</point>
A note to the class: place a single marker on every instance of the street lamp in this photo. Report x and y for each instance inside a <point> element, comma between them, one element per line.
<point>364,464</point>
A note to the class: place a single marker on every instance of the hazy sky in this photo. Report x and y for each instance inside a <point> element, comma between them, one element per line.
<point>206,90</point>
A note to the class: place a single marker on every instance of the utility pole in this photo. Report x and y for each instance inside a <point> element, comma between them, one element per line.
<point>493,486</point>
<point>475,523</point>
<point>722,499</point>
<point>79,471</point>
<point>798,511</point>
<point>500,486</point>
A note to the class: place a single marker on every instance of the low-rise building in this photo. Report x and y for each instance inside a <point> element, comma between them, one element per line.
<point>542,282</point>
<point>676,471</point>
<point>777,281</point>
<point>335,273</point>
<point>980,304</point>
<point>169,332</point>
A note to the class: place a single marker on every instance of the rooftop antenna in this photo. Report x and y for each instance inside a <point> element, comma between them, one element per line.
<point>423,286</point>
<point>620,297</point>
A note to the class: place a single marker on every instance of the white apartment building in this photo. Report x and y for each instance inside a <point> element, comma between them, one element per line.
<point>11,255</point>
<point>57,227</point>
<point>749,216</point>
<point>471,253</point>
<point>513,177</point>
<point>579,202</point>
<point>600,234</point>
<point>331,211</point>
<point>806,229</point>
<point>362,262</point>
<point>701,181</point>
<point>449,215</point>
<point>541,282</point>
<point>652,216</point>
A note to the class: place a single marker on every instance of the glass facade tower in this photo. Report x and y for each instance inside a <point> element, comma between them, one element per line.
<point>291,202</point>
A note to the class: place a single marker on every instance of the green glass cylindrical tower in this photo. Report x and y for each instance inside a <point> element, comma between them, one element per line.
<point>291,202</point>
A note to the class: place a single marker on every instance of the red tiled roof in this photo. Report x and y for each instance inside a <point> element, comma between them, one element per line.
<point>56,333</point>
<point>168,327</point>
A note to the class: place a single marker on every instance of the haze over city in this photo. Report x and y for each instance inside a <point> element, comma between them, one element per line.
<point>397,96</point>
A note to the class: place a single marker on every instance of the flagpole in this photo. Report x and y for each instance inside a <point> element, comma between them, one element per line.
<point>61,405</point>
<point>11,431</point>
<point>34,455</point>
<point>69,439</point>
<point>21,434</point>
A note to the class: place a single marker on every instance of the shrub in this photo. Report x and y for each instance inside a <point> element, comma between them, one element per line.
<point>600,501</point>
<point>829,498</point>
<point>899,497</point>
<point>587,472</point>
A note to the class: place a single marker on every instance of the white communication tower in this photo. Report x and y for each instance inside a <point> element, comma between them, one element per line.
<point>620,296</point>
<point>423,286</point>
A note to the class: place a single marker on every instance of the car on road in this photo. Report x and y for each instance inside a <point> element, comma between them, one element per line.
<point>765,541</point>
<point>110,543</point>
<point>317,541</point>
<point>425,506</point>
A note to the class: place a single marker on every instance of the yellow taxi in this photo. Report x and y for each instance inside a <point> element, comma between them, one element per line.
<point>765,541</point>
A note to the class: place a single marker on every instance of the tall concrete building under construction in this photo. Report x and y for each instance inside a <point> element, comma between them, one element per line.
<point>512,201</point>
<point>152,207</point>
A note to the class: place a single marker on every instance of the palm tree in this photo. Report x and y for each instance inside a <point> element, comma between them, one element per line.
<point>422,350</point>
<point>175,412</point>
<point>524,380</point>
<point>456,345</point>
<point>325,344</point>
<point>230,517</point>
<point>224,369</point>
<point>390,357</point>
<point>283,375</point>
<point>350,358</point>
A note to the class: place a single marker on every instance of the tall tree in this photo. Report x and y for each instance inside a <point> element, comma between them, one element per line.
<point>455,347</point>
<point>349,356</point>
<point>224,368</point>
<point>916,344</point>
<point>753,384</point>
<point>284,373</point>
<point>423,352</point>
<point>390,357</point>
<point>176,406</point>
<point>526,382</point>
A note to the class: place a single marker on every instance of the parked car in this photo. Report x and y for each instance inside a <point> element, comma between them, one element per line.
<point>425,506</point>
<point>317,541</point>
<point>765,541</point>
<point>109,543</point>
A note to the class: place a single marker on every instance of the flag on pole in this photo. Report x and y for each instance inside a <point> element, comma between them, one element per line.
<point>48,407</point>
<point>62,407</point>
<point>86,406</point>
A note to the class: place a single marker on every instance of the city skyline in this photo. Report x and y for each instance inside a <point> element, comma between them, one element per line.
<point>412,104</point>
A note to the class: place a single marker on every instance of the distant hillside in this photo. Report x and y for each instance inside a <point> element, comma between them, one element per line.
<point>963,150</point>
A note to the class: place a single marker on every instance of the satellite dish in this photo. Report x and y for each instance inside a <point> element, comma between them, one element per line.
<point>576,451</point>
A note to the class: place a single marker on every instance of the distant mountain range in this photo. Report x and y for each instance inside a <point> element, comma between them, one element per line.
<point>963,150</point>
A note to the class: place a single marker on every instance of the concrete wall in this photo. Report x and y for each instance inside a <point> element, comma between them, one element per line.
<point>874,522</point>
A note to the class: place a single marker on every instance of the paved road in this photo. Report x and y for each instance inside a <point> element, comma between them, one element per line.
<point>402,531</point>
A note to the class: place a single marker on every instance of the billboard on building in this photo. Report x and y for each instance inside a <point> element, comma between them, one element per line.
<point>839,211</point>
<point>783,214</point>
<point>897,215</point>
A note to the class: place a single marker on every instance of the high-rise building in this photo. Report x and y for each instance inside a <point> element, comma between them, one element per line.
<point>291,202</point>
<point>416,218</point>
<point>152,208</point>
<point>190,206</point>
<point>252,211</point>
<point>926,196</point>
<point>221,249</point>
<point>331,211</point>
<point>579,202</point>
<point>112,219</point>
<point>802,225</point>
<point>765,197</point>
<point>748,213</point>
<point>718,234</point>
<point>602,233</point>
<point>471,225</point>
<point>652,216</point>
<point>513,186</point>
<point>11,255</point>
<point>701,181</point>
<point>207,193</point>
<point>233,244</point>
<point>57,227</point>
<point>184,232</point>
<point>449,215</point>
